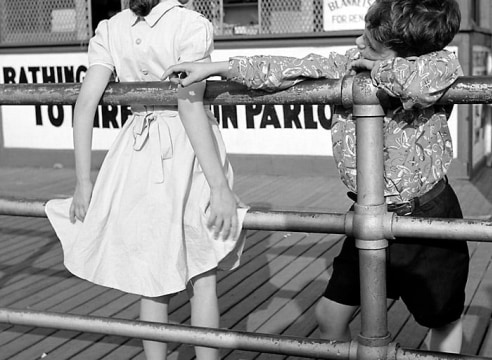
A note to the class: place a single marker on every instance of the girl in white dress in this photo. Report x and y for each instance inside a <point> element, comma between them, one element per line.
<point>161,216</point>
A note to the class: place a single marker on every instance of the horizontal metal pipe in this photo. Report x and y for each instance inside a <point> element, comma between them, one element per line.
<point>22,207</point>
<point>326,91</point>
<point>445,229</point>
<point>217,338</point>
<point>297,221</point>
<point>411,354</point>
<point>254,220</point>
<point>326,223</point>
<point>469,90</point>
<point>466,90</point>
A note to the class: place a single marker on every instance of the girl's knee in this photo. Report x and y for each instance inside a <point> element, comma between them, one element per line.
<point>205,283</point>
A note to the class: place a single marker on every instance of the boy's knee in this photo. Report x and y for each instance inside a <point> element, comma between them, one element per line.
<point>333,319</point>
<point>322,312</point>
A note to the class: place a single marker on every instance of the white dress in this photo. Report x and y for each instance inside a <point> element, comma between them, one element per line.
<point>145,230</point>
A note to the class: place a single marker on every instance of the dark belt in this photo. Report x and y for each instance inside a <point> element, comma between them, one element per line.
<point>407,207</point>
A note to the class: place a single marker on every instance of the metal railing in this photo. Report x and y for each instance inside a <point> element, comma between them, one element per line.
<point>369,223</point>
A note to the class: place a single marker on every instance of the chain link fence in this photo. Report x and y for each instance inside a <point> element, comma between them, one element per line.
<point>262,17</point>
<point>44,22</point>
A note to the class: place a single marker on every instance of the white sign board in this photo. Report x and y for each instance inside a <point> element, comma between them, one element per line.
<point>341,15</point>
<point>252,129</point>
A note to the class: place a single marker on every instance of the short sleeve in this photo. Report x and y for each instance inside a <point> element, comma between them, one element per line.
<point>197,42</point>
<point>99,53</point>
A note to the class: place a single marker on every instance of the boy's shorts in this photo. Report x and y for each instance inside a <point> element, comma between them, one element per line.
<point>428,275</point>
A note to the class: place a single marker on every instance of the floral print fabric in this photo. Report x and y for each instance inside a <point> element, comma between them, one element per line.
<point>417,144</point>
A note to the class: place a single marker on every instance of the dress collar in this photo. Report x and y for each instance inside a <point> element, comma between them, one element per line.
<point>156,13</point>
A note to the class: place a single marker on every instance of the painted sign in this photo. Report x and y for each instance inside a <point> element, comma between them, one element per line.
<point>341,15</point>
<point>50,126</point>
<point>252,129</point>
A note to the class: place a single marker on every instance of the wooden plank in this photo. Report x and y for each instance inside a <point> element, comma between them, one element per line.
<point>113,344</point>
<point>477,316</point>
<point>486,346</point>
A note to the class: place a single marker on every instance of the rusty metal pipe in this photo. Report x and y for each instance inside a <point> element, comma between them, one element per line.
<point>368,220</point>
<point>443,229</point>
<point>209,337</point>
<point>333,223</point>
<point>411,354</point>
<point>326,91</point>
<point>466,90</point>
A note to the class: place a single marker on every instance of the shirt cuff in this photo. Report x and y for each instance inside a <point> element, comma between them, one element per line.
<point>233,70</point>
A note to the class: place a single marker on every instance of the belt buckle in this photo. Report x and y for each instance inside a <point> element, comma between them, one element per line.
<point>402,209</point>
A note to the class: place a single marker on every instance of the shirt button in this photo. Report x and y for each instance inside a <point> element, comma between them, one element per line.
<point>138,41</point>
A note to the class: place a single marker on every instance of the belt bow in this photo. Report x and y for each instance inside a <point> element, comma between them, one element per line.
<point>156,134</point>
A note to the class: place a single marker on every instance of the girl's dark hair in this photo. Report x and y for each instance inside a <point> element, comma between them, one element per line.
<point>414,27</point>
<point>142,7</point>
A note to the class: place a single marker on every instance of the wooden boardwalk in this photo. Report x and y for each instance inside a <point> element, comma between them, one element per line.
<point>274,290</point>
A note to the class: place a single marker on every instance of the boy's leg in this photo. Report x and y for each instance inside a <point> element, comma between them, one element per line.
<point>447,338</point>
<point>434,274</point>
<point>155,310</point>
<point>204,308</point>
<point>333,319</point>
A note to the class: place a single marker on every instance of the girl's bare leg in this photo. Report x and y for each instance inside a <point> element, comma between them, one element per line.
<point>204,309</point>
<point>155,310</point>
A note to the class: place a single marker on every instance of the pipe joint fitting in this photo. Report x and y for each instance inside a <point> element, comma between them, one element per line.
<point>368,222</point>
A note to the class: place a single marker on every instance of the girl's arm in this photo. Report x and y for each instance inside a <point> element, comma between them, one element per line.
<point>417,81</point>
<point>93,86</point>
<point>193,72</point>
<point>223,206</point>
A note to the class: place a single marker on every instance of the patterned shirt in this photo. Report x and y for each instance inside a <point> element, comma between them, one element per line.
<point>417,144</point>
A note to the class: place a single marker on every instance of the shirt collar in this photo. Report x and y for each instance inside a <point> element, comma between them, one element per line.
<point>156,13</point>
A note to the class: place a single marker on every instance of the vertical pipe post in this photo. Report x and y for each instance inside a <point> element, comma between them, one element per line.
<point>260,21</point>
<point>370,210</point>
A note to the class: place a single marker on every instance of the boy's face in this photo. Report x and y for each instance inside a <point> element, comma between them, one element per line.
<point>371,49</point>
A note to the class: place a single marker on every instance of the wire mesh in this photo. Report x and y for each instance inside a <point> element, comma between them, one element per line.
<point>44,22</point>
<point>262,17</point>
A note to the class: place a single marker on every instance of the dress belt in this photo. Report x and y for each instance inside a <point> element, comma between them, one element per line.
<point>148,131</point>
<point>407,207</point>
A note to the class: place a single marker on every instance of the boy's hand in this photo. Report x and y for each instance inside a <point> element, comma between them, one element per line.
<point>362,65</point>
<point>80,202</point>
<point>186,73</point>
<point>222,217</point>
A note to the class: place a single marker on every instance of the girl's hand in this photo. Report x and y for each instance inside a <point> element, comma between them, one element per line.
<point>223,213</point>
<point>80,203</point>
<point>362,65</point>
<point>186,73</point>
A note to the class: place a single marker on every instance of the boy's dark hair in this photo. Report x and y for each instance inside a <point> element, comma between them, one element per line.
<point>414,27</point>
<point>142,7</point>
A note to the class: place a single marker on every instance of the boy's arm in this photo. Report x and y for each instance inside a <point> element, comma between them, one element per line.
<point>268,73</point>
<point>272,73</point>
<point>418,81</point>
